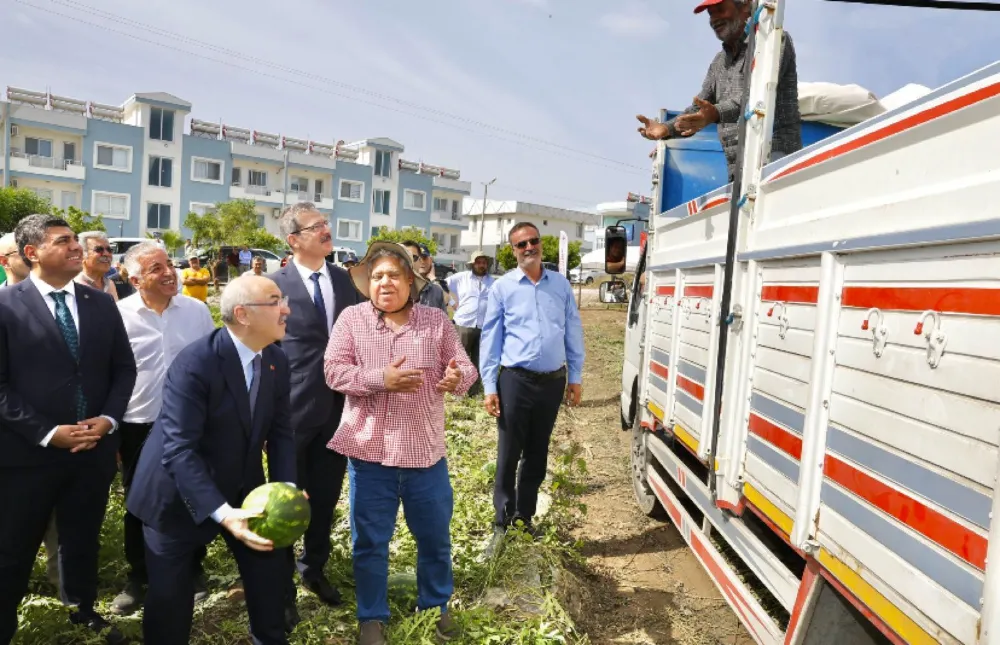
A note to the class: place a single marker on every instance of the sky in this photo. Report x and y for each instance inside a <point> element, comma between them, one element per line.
<point>540,94</point>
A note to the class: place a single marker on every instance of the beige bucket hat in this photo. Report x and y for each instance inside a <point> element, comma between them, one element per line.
<point>361,272</point>
<point>476,255</point>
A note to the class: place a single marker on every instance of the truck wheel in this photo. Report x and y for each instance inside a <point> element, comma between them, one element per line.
<point>644,496</point>
<point>589,281</point>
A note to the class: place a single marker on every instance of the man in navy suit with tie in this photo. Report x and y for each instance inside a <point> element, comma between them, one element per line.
<point>317,292</point>
<point>66,376</point>
<point>225,395</point>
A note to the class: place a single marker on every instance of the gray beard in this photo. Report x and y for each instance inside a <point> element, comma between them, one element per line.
<point>730,32</point>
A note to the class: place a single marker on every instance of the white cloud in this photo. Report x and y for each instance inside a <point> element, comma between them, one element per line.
<point>633,20</point>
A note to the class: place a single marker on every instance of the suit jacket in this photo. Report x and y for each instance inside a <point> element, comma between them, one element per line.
<point>204,450</point>
<point>39,376</point>
<point>315,407</point>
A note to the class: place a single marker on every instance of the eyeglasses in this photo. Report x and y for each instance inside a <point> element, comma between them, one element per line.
<point>523,244</point>
<point>314,227</point>
<point>282,302</point>
<point>416,258</point>
<point>102,249</point>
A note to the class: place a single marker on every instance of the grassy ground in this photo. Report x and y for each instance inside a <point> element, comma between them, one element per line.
<point>524,570</point>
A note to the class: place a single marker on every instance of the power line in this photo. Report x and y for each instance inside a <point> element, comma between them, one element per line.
<point>133,24</point>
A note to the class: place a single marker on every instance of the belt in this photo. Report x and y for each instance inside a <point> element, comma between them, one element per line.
<point>537,376</point>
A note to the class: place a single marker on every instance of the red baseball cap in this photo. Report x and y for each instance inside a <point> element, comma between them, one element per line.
<point>706,4</point>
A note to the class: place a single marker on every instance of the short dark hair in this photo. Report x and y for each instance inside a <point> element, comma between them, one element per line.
<point>518,227</point>
<point>30,231</point>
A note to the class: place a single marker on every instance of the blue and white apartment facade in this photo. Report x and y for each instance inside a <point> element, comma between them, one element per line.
<point>134,165</point>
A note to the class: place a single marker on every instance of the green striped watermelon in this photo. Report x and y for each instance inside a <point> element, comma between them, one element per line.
<point>284,512</point>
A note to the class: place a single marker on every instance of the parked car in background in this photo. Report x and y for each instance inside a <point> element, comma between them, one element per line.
<point>121,244</point>
<point>585,276</point>
<point>339,253</point>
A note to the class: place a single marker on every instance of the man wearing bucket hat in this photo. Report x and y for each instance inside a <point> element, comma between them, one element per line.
<point>394,359</point>
<point>470,291</point>
<point>722,94</point>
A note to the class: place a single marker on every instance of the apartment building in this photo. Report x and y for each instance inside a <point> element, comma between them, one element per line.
<point>135,165</point>
<point>489,231</point>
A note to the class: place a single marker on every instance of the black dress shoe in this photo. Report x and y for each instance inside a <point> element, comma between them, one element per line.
<point>325,591</point>
<point>96,623</point>
<point>291,618</point>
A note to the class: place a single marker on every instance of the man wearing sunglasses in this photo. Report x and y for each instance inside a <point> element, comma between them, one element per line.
<point>97,255</point>
<point>11,261</point>
<point>531,355</point>
<point>432,295</point>
<point>318,291</point>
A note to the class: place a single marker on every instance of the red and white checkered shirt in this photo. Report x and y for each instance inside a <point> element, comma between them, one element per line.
<point>399,429</point>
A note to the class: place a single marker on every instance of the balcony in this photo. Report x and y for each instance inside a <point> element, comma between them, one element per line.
<point>447,217</point>
<point>55,167</point>
<point>449,253</point>
<point>254,192</point>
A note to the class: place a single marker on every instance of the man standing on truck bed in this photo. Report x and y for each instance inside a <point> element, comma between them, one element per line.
<point>721,98</point>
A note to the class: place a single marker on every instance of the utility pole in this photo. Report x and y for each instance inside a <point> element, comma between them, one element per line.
<point>482,220</point>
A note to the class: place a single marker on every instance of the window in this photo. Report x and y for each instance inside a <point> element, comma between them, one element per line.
<point>383,163</point>
<point>69,152</point>
<point>67,198</point>
<point>299,185</point>
<point>260,221</point>
<point>579,230</point>
<point>206,170</point>
<point>110,205</point>
<point>414,200</point>
<point>454,243</point>
<point>351,190</point>
<point>158,216</point>
<point>440,204</point>
<point>201,208</point>
<point>318,189</point>
<point>348,229</point>
<point>256,178</point>
<point>112,157</point>
<point>44,193</point>
<point>454,209</point>
<point>236,178</point>
<point>473,225</point>
<point>381,199</point>
<point>160,171</point>
<point>161,124</point>
<point>37,147</point>
<point>375,230</point>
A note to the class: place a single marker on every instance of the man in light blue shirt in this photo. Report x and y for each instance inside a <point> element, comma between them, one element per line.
<point>470,292</point>
<point>531,354</point>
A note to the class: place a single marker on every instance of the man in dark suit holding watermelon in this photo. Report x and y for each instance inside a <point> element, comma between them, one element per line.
<point>225,395</point>
<point>66,375</point>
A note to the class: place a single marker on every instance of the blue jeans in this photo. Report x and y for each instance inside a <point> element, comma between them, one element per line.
<point>428,502</point>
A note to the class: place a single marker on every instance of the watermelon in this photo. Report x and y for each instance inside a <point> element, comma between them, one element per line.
<point>284,513</point>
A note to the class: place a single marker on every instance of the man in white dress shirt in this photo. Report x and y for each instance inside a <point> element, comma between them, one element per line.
<point>470,291</point>
<point>160,323</point>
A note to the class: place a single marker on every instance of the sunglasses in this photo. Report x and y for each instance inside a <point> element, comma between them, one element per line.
<point>416,258</point>
<point>523,244</point>
<point>102,249</point>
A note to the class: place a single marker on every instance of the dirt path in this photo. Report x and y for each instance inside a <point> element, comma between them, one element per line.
<point>643,586</point>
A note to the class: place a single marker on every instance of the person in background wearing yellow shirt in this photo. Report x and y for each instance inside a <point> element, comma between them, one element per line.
<point>195,280</point>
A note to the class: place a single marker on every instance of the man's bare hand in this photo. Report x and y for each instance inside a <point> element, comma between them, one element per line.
<point>652,129</point>
<point>236,523</point>
<point>75,438</point>
<point>688,124</point>
<point>452,378</point>
<point>492,404</point>
<point>574,392</point>
<point>97,425</point>
<point>400,380</point>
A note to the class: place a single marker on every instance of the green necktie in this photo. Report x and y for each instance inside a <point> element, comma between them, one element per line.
<point>65,321</point>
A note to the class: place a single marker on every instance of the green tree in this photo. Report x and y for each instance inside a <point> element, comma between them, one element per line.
<point>173,240</point>
<point>231,223</point>
<point>80,221</point>
<point>550,253</point>
<point>385,234</point>
<point>18,203</point>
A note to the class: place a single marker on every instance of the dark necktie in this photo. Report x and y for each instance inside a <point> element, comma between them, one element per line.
<point>65,321</point>
<point>254,384</point>
<point>318,301</point>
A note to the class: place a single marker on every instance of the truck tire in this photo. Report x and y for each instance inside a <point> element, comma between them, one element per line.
<point>640,458</point>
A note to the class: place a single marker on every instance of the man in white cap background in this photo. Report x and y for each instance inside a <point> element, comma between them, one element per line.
<point>470,292</point>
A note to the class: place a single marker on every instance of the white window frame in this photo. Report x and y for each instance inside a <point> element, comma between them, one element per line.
<point>361,193</point>
<point>208,207</point>
<point>407,192</point>
<point>146,215</point>
<point>386,166</point>
<point>131,159</point>
<point>200,180</point>
<point>93,203</point>
<point>350,221</point>
<point>386,203</point>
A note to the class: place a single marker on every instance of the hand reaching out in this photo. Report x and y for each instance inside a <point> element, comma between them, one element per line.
<point>688,124</point>
<point>400,380</point>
